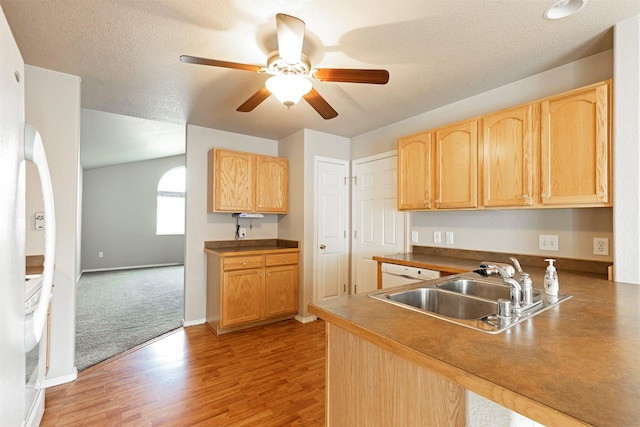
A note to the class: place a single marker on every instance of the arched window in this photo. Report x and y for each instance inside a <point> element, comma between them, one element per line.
<point>170,206</point>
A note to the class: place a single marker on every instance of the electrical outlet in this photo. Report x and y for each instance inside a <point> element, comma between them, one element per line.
<point>100,254</point>
<point>437,237</point>
<point>414,237</point>
<point>601,246</point>
<point>448,237</point>
<point>548,242</point>
<point>242,233</point>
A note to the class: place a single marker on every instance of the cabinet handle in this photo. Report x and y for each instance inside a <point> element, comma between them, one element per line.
<point>525,196</point>
<point>268,274</point>
<point>244,263</point>
<point>546,196</point>
<point>281,259</point>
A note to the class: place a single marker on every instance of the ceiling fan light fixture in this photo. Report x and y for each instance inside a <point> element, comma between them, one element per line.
<point>564,8</point>
<point>288,88</point>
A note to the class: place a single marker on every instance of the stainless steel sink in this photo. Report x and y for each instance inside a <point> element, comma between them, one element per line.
<point>447,304</point>
<point>465,299</point>
<point>483,289</point>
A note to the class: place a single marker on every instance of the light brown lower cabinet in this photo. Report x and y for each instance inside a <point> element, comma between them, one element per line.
<point>249,290</point>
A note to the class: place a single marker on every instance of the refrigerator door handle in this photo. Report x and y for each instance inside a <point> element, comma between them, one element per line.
<point>34,152</point>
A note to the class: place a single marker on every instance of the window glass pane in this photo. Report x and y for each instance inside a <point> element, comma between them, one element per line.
<point>171,202</point>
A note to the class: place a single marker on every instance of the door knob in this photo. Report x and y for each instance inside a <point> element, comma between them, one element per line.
<point>323,246</point>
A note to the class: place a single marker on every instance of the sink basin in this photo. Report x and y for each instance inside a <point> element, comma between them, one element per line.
<point>466,300</point>
<point>482,289</point>
<point>445,303</point>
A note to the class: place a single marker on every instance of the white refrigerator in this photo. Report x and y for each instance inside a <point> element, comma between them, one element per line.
<point>23,303</point>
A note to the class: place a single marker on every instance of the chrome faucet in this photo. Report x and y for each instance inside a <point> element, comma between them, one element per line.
<point>507,278</point>
<point>521,292</point>
<point>489,269</point>
<point>525,283</point>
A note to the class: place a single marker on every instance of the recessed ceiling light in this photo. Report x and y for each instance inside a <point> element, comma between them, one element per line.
<point>563,8</point>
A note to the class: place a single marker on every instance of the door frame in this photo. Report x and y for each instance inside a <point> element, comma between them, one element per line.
<point>346,216</point>
<point>407,217</point>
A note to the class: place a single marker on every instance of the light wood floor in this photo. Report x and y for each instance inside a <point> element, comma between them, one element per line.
<point>267,376</point>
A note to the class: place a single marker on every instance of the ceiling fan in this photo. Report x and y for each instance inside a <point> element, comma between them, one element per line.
<point>291,71</point>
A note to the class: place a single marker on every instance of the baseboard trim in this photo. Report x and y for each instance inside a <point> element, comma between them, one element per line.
<point>193,322</point>
<point>131,267</point>
<point>50,382</point>
<point>307,319</point>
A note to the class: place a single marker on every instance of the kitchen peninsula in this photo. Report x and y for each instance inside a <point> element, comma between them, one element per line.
<point>575,364</point>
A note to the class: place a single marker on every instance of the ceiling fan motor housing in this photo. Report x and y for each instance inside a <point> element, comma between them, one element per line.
<point>276,65</point>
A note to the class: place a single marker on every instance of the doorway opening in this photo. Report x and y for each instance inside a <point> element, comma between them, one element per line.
<point>132,286</point>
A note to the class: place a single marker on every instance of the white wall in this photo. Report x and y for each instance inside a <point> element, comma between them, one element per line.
<point>626,160</point>
<point>512,231</point>
<point>291,226</point>
<point>119,208</point>
<point>203,226</point>
<point>53,107</point>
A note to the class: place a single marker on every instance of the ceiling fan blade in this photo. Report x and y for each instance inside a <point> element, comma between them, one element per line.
<point>290,37</point>
<point>216,63</point>
<point>254,100</point>
<point>320,104</point>
<point>349,75</point>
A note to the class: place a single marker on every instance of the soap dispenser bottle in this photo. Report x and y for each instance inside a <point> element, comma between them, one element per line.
<point>551,279</point>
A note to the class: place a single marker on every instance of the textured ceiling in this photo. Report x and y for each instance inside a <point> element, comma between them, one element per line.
<point>437,52</point>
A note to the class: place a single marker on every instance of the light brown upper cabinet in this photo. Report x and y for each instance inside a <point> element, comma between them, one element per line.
<point>271,184</point>
<point>246,182</point>
<point>552,153</point>
<point>415,171</point>
<point>456,166</point>
<point>508,141</point>
<point>575,149</point>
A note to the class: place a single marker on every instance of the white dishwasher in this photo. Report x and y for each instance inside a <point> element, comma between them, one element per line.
<point>396,274</point>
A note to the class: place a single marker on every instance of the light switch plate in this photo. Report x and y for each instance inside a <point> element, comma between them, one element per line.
<point>414,237</point>
<point>449,237</point>
<point>437,237</point>
<point>548,242</point>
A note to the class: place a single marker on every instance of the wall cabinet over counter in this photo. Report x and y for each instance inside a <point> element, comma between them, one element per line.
<point>555,152</point>
<point>246,182</point>
<point>250,283</point>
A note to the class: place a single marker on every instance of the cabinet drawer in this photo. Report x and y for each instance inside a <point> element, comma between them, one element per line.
<point>281,259</point>
<point>242,262</point>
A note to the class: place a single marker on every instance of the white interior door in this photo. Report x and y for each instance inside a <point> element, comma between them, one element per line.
<point>331,225</point>
<point>378,226</point>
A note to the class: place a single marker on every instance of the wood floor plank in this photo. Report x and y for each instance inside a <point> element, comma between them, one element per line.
<point>273,375</point>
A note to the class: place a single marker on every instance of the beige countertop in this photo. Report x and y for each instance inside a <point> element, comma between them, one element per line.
<point>578,362</point>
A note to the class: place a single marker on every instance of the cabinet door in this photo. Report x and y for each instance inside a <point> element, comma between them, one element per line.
<point>233,181</point>
<point>242,297</point>
<point>415,172</point>
<point>281,290</point>
<point>508,157</point>
<point>575,148</point>
<point>271,184</point>
<point>457,166</point>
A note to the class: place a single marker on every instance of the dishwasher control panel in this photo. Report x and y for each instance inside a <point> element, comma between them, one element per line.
<point>396,274</point>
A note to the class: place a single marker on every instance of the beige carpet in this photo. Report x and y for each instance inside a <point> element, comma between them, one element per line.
<point>119,310</point>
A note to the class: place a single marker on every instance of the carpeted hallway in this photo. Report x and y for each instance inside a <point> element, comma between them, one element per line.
<point>119,310</point>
